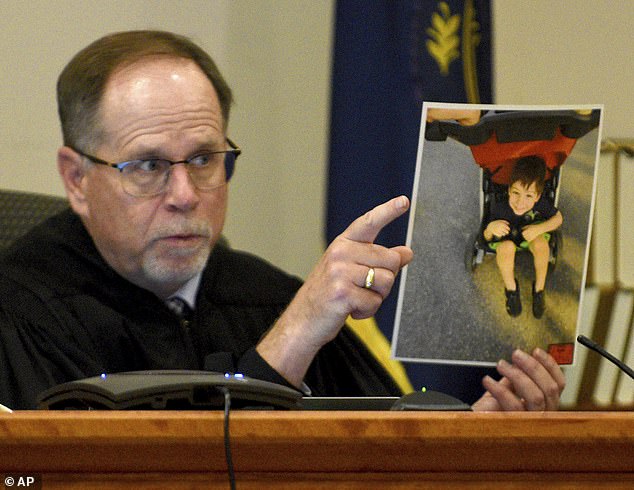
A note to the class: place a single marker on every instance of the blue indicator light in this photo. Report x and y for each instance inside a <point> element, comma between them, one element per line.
<point>239,375</point>
<point>103,376</point>
<point>227,375</point>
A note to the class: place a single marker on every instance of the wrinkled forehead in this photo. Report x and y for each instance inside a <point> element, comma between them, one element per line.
<point>158,79</point>
<point>158,94</point>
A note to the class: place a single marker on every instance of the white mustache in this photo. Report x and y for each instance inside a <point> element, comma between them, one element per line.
<point>195,227</point>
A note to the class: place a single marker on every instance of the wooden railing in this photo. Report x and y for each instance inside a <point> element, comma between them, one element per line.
<point>294,449</point>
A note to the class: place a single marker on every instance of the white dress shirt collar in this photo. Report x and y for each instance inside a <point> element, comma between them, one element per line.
<point>189,290</point>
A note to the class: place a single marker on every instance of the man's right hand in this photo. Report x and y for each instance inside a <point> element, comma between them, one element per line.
<point>336,289</point>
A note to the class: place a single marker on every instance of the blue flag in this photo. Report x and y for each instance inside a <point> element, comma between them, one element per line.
<point>389,57</point>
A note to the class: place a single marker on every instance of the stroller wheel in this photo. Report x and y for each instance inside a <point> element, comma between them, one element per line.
<point>556,245</point>
<point>473,254</point>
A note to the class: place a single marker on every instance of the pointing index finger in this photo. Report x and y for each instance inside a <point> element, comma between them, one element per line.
<point>367,227</point>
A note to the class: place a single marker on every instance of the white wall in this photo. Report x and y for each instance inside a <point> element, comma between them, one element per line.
<point>275,54</point>
<point>278,56</point>
<point>567,52</point>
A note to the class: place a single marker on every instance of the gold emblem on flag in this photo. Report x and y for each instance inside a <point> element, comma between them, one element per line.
<point>445,41</point>
<point>445,45</point>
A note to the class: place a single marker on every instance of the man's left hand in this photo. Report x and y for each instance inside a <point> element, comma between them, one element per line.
<point>530,382</point>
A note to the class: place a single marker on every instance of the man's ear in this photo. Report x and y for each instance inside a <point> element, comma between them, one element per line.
<point>72,170</point>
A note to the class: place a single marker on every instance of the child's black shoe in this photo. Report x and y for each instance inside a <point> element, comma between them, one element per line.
<point>539,303</point>
<point>513,301</point>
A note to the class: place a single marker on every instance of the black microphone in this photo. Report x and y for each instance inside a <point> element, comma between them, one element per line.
<point>591,344</point>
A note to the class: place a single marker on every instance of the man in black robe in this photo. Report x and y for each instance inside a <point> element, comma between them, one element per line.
<point>145,163</point>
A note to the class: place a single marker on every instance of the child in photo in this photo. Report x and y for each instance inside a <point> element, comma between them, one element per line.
<point>525,221</point>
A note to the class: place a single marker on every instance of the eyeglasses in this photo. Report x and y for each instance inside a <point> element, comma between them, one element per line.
<point>146,178</point>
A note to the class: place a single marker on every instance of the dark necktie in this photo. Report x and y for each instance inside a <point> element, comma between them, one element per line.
<point>179,307</point>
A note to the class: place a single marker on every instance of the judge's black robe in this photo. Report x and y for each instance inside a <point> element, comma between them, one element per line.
<point>66,315</point>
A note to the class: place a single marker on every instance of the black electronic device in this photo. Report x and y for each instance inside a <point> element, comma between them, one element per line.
<point>361,403</point>
<point>168,390</point>
<point>429,400</point>
<point>424,400</point>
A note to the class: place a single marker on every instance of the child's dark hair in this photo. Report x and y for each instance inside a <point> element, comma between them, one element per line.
<point>528,170</point>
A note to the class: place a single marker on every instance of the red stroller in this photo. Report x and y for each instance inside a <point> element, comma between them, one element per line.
<point>498,140</point>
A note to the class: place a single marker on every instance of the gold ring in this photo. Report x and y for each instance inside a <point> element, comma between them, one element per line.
<point>369,279</point>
